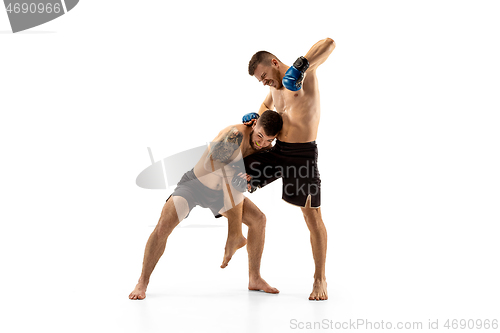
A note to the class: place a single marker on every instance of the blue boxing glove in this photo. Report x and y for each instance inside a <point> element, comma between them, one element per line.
<point>249,117</point>
<point>295,74</point>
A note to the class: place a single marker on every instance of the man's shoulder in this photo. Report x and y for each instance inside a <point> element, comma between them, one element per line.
<point>310,82</point>
<point>232,128</point>
<point>234,133</point>
<point>241,128</point>
<point>236,129</point>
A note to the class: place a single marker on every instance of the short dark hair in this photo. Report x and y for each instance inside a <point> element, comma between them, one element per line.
<point>271,122</point>
<point>261,57</point>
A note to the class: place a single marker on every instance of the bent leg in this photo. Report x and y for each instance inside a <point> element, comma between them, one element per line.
<point>318,238</point>
<point>175,210</point>
<point>233,210</point>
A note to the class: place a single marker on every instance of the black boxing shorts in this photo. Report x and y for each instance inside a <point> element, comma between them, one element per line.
<point>295,163</point>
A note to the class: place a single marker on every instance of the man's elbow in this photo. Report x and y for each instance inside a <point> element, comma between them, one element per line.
<point>330,43</point>
<point>324,49</point>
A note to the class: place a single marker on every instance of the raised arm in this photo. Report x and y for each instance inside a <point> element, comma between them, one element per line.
<point>268,104</point>
<point>308,63</point>
<point>319,53</point>
<point>250,118</point>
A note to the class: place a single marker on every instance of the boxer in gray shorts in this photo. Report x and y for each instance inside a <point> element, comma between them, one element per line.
<point>209,184</point>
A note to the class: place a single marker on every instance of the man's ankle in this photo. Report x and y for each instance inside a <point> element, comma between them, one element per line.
<point>253,277</point>
<point>143,281</point>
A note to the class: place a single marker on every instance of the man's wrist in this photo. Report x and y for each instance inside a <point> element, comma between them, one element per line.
<point>302,64</point>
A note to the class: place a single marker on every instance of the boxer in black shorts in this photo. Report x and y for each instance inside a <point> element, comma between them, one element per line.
<point>294,93</point>
<point>296,163</point>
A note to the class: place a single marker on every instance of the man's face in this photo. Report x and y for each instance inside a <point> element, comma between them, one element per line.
<point>268,75</point>
<point>259,139</point>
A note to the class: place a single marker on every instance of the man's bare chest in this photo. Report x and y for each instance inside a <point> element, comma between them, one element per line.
<point>286,100</point>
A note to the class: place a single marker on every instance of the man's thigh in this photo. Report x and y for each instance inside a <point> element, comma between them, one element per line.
<point>176,206</point>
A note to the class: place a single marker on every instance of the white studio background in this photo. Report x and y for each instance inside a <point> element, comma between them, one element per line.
<point>409,160</point>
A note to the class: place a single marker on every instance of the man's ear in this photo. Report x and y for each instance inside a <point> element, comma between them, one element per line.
<point>254,123</point>
<point>275,63</point>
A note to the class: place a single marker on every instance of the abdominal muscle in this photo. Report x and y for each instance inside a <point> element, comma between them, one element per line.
<point>299,128</point>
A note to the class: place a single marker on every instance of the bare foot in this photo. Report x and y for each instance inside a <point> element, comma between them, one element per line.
<point>232,244</point>
<point>139,291</point>
<point>319,292</point>
<point>260,284</point>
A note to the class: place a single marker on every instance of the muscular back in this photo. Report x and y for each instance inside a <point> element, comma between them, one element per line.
<point>300,110</point>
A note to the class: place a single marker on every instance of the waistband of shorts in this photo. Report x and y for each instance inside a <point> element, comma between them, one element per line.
<point>295,145</point>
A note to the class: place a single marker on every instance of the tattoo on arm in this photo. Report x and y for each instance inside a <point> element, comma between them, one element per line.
<point>225,148</point>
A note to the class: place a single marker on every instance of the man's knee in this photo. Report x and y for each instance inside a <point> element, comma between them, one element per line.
<point>257,220</point>
<point>168,220</point>
<point>252,216</point>
<point>166,225</point>
<point>261,220</point>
